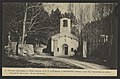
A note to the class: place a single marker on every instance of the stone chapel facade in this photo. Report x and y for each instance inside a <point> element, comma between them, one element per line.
<point>64,43</point>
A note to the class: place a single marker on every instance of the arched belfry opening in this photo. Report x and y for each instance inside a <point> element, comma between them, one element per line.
<point>65,49</point>
<point>65,26</point>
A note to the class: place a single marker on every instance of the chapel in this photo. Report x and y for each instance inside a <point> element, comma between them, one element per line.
<point>64,43</point>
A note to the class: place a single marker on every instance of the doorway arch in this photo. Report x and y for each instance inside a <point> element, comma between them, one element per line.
<point>65,49</point>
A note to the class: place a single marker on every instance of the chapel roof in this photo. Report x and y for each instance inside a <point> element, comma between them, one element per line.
<point>64,18</point>
<point>59,35</point>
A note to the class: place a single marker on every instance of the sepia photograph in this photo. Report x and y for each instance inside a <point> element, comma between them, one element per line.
<point>72,35</point>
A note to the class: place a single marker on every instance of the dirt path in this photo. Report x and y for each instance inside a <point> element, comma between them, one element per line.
<point>81,64</point>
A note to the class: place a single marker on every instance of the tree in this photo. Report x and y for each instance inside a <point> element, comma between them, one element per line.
<point>12,21</point>
<point>55,20</point>
<point>35,16</point>
<point>102,10</point>
<point>24,24</point>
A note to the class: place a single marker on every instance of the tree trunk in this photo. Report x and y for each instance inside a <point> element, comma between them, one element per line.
<point>24,22</point>
<point>17,45</point>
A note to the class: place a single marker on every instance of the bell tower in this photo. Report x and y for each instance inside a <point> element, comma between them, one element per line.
<point>65,26</point>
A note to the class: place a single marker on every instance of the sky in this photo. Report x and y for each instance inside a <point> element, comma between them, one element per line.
<point>62,6</point>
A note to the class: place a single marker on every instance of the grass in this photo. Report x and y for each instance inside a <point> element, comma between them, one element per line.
<point>20,62</point>
<point>38,62</point>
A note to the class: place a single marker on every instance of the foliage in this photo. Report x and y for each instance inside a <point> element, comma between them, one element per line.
<point>55,17</point>
<point>40,25</point>
<point>92,33</point>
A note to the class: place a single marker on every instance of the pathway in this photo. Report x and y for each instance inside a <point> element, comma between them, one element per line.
<point>85,65</point>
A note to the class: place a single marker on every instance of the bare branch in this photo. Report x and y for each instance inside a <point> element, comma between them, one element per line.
<point>33,19</point>
<point>31,25</point>
<point>43,28</point>
<point>35,11</point>
<point>37,23</point>
<point>32,7</point>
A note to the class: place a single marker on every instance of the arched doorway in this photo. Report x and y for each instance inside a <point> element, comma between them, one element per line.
<point>65,49</point>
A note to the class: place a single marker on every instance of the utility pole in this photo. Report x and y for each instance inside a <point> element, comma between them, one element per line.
<point>24,23</point>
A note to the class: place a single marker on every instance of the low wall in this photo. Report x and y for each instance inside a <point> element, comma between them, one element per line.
<point>27,48</point>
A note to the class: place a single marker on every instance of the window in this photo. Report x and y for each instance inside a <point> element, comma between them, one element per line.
<point>58,49</point>
<point>65,24</point>
<point>71,49</point>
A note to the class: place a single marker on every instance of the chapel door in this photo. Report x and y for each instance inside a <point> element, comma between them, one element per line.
<point>65,49</point>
